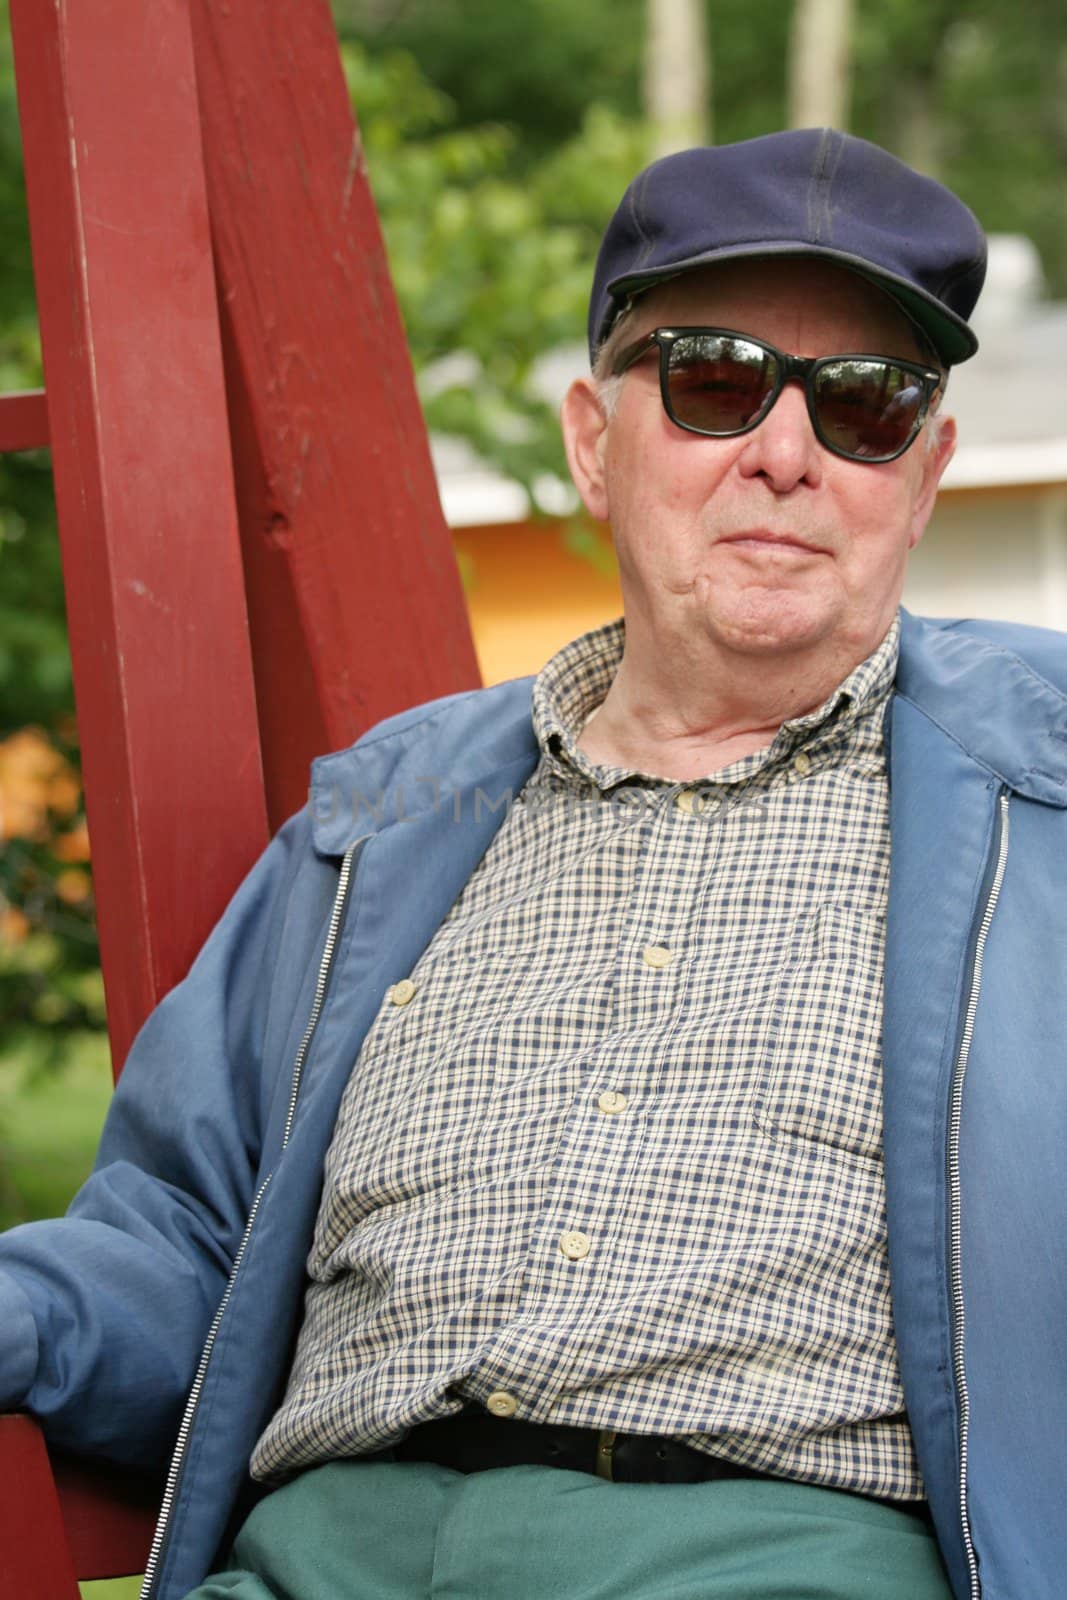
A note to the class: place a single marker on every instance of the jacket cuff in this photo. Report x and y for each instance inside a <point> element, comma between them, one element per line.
<point>18,1345</point>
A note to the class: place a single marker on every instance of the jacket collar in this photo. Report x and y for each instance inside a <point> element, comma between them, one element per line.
<point>979,693</point>
<point>463,755</point>
<point>989,701</point>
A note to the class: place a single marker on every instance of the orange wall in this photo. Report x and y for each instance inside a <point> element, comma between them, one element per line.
<point>529,592</point>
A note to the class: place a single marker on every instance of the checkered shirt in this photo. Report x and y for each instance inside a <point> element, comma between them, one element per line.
<point>613,1151</point>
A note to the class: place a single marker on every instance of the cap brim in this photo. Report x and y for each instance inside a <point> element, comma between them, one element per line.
<point>950,335</point>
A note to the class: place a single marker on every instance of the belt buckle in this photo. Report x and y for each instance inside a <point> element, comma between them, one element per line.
<point>605,1446</point>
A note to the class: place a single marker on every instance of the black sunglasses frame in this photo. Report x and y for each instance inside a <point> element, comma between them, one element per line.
<point>804,369</point>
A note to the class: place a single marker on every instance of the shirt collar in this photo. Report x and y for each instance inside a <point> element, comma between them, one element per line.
<point>571,686</point>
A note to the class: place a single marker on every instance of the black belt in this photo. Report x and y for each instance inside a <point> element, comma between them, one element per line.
<point>472,1443</point>
<point>475,1443</point>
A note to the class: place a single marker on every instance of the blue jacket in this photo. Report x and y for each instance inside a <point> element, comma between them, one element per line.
<point>196,1222</point>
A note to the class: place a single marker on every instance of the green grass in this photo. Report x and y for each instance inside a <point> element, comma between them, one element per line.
<point>49,1125</point>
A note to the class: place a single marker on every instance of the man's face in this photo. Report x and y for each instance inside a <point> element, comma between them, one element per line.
<point>766,543</point>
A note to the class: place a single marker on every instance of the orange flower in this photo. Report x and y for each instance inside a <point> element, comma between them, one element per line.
<point>73,885</point>
<point>13,925</point>
<point>34,780</point>
<point>72,846</point>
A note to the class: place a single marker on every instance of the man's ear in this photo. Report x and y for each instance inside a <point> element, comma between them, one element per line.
<point>936,460</point>
<point>584,424</point>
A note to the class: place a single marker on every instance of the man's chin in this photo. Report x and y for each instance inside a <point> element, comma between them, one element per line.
<point>774,624</point>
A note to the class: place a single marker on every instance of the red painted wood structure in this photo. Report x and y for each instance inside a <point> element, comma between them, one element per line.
<point>255,559</point>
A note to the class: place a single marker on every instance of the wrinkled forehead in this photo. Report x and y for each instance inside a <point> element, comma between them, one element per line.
<point>806,306</point>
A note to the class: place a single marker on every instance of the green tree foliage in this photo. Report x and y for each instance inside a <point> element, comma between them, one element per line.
<point>34,663</point>
<point>976,94</point>
<point>536,66</point>
<point>989,79</point>
<point>491,254</point>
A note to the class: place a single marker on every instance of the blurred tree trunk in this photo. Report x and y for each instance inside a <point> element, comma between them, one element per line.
<point>922,133</point>
<point>677,75</point>
<point>819,51</point>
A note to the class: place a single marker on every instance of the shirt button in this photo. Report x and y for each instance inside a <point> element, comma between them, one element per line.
<point>802,764</point>
<point>611,1102</point>
<point>689,801</point>
<point>502,1404</point>
<point>402,992</point>
<point>656,955</point>
<point>574,1246</point>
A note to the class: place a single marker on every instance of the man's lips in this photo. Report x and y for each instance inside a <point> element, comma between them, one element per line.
<point>762,539</point>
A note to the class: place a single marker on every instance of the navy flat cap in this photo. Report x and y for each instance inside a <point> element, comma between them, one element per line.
<point>806,192</point>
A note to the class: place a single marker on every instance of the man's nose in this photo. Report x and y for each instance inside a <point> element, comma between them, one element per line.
<point>784,449</point>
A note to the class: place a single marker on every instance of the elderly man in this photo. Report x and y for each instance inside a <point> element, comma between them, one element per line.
<point>612,1144</point>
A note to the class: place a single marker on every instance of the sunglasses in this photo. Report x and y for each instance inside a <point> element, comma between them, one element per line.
<point>720,384</point>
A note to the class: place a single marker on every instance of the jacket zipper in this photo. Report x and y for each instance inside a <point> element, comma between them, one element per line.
<point>177,1464</point>
<point>955,1205</point>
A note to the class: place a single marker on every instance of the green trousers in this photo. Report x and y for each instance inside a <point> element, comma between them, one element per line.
<point>404,1531</point>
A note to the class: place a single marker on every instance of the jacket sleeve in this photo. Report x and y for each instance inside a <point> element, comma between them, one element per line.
<point>103,1313</point>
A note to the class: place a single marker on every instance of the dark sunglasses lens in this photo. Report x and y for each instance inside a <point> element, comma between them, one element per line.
<point>719,384</point>
<point>867,409</point>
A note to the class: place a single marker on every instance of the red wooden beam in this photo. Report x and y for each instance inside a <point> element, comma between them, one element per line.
<point>109,1516</point>
<point>143,477</point>
<point>104,1529</point>
<point>355,604</point>
<point>23,421</point>
<point>34,1558</point>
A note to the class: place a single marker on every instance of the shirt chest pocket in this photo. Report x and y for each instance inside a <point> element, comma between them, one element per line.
<point>822,1074</point>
